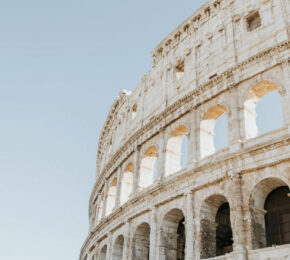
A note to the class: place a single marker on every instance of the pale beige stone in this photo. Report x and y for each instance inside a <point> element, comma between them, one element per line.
<point>223,59</point>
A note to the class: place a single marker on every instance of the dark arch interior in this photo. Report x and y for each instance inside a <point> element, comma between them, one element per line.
<point>277,218</point>
<point>224,235</point>
<point>181,240</point>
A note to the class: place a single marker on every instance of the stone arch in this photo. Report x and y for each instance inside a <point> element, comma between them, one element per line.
<point>148,169</point>
<point>174,149</point>
<point>103,253</point>
<point>117,253</point>
<point>253,96</point>
<point>141,242</point>
<point>172,236</point>
<point>111,196</point>
<point>257,209</point>
<point>207,126</point>
<point>216,230</point>
<point>126,183</point>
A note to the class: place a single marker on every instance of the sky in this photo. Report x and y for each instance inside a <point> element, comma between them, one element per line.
<point>62,64</point>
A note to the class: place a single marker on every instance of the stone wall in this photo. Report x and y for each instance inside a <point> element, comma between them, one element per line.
<point>223,59</point>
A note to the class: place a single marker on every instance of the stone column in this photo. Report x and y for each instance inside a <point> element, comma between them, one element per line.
<point>234,121</point>
<point>161,156</point>
<point>189,246</point>
<point>285,99</point>
<point>237,217</point>
<point>153,234</point>
<point>126,247</point>
<point>192,140</point>
<point>97,209</point>
<point>136,171</point>
<point>109,247</point>
<point>118,192</point>
<point>106,188</point>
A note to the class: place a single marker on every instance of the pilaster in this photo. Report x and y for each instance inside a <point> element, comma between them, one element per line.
<point>105,198</point>
<point>136,171</point>
<point>119,183</point>
<point>161,156</point>
<point>189,247</point>
<point>126,241</point>
<point>153,234</point>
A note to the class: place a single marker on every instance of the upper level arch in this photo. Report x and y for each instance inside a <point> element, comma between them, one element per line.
<point>148,167</point>
<point>176,149</point>
<point>127,178</point>
<point>255,94</point>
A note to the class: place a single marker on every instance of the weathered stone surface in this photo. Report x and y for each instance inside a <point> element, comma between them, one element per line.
<point>223,59</point>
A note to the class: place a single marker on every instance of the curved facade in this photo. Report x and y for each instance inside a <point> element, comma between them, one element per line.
<point>227,204</point>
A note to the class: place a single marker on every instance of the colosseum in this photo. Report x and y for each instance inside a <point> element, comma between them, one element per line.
<point>231,203</point>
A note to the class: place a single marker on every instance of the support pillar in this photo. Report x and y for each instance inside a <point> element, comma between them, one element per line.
<point>97,210</point>
<point>192,140</point>
<point>109,247</point>
<point>136,171</point>
<point>285,99</point>
<point>237,218</point>
<point>153,234</point>
<point>126,241</point>
<point>105,198</point>
<point>161,156</point>
<point>189,246</point>
<point>118,192</point>
<point>234,122</point>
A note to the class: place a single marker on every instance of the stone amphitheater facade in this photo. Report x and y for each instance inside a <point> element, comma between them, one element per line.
<point>223,59</point>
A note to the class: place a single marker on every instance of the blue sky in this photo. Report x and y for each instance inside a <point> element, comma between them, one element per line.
<point>63,62</point>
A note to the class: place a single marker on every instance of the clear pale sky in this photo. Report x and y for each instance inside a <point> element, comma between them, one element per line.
<point>62,64</point>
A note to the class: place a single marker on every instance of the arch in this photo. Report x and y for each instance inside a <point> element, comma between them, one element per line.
<point>148,169</point>
<point>127,183</point>
<point>254,96</point>
<point>216,231</point>
<point>117,253</point>
<point>174,153</point>
<point>103,253</point>
<point>141,242</point>
<point>111,196</point>
<point>277,219</point>
<point>172,236</point>
<point>257,209</point>
<point>207,127</point>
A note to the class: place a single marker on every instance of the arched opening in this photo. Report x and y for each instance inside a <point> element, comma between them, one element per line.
<point>172,236</point>
<point>277,218</point>
<point>141,242</point>
<point>118,248</point>
<point>111,197</point>
<point>221,132</point>
<point>149,166</point>
<point>262,109</point>
<point>127,183</point>
<point>103,253</point>
<point>216,231</point>
<point>207,134</point>
<point>269,213</point>
<point>176,150</point>
<point>224,234</point>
